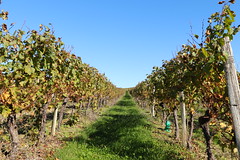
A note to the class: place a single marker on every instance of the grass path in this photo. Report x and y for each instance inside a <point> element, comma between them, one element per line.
<point>122,133</point>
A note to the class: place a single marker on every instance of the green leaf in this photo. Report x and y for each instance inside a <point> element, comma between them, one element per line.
<point>218,27</point>
<point>211,59</point>
<point>5,111</point>
<point>193,53</point>
<point>205,53</point>
<point>42,38</point>
<point>29,70</point>
<point>196,36</point>
<point>22,83</point>
<point>21,57</point>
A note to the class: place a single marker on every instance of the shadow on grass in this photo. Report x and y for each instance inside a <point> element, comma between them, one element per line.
<point>126,103</point>
<point>124,131</point>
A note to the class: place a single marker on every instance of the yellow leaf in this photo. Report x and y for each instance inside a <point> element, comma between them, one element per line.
<point>5,96</point>
<point>223,125</point>
<point>235,150</point>
<point>192,110</point>
<point>6,112</point>
<point>229,129</point>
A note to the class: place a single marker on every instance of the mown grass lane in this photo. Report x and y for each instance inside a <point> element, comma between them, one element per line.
<point>122,133</point>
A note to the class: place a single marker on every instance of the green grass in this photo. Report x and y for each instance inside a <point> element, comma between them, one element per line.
<point>123,132</point>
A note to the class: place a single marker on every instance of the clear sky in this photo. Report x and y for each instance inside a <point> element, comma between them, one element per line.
<point>122,38</point>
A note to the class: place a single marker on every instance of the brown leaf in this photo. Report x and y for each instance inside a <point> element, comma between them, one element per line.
<point>232,1</point>
<point>4,27</point>
<point>4,15</point>
<point>41,27</point>
<point>221,2</point>
<point>208,32</point>
<point>207,40</point>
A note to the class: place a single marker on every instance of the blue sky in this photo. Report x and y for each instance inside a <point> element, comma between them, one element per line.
<point>122,38</point>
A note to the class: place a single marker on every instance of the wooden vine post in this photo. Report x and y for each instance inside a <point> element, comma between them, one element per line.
<point>54,122</point>
<point>183,113</point>
<point>233,89</point>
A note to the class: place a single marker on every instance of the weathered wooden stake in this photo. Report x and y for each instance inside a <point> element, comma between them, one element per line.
<point>54,122</point>
<point>184,125</point>
<point>233,89</point>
